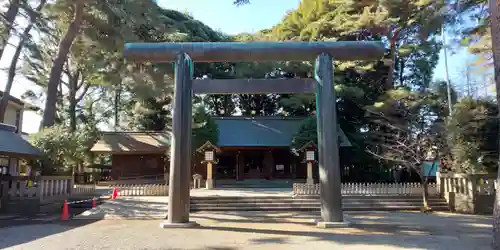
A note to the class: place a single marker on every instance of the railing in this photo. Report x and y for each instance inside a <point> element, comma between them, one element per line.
<point>55,187</point>
<point>468,184</point>
<point>133,180</point>
<point>369,189</point>
<point>142,190</point>
<point>470,193</point>
<point>153,177</point>
<point>84,189</point>
<point>44,188</point>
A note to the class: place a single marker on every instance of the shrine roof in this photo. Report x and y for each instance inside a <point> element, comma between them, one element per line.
<point>13,144</point>
<point>263,131</point>
<point>132,143</point>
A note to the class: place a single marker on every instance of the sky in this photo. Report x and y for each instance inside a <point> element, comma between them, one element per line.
<point>221,15</point>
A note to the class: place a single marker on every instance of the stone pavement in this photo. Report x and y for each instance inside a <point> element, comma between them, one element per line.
<point>155,207</point>
<point>257,230</point>
<point>130,207</point>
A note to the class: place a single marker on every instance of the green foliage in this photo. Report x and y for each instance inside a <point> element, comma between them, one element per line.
<point>307,132</point>
<point>472,135</point>
<point>204,128</point>
<point>404,128</point>
<point>471,22</point>
<point>65,150</point>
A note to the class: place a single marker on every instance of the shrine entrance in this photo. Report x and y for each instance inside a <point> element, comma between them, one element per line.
<point>183,54</point>
<point>253,166</point>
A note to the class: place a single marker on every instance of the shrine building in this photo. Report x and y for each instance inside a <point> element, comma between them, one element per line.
<point>247,148</point>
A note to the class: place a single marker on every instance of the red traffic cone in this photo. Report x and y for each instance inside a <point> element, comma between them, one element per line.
<point>94,203</point>
<point>65,211</point>
<point>115,193</point>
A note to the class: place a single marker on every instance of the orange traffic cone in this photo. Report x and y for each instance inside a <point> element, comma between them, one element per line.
<point>115,193</point>
<point>94,203</point>
<point>65,212</point>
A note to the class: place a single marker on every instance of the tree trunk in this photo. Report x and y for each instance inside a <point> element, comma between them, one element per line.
<point>494,7</point>
<point>72,99</point>
<point>390,77</point>
<point>10,16</point>
<point>116,107</point>
<point>13,64</point>
<point>425,196</point>
<point>72,103</point>
<point>49,113</point>
<point>389,84</point>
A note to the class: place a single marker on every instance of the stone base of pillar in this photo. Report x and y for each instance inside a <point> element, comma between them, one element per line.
<point>166,224</point>
<point>310,181</point>
<point>210,184</point>
<point>324,224</point>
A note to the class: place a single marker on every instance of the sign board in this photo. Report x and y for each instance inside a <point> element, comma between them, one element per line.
<point>310,156</point>
<point>209,155</point>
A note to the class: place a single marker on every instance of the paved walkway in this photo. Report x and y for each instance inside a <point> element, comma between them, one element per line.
<point>155,207</point>
<point>129,207</point>
<point>253,230</point>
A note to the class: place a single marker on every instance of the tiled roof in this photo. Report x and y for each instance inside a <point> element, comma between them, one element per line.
<point>260,131</point>
<point>13,144</point>
<point>12,99</point>
<point>132,142</point>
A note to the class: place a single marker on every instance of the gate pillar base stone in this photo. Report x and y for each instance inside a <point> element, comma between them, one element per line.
<point>329,224</point>
<point>189,224</point>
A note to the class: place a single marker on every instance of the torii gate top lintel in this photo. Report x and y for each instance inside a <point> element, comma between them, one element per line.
<point>254,51</point>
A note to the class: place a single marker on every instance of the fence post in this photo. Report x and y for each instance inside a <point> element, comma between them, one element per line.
<point>71,184</point>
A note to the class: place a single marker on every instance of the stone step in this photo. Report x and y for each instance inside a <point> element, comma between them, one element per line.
<point>292,200</point>
<point>312,203</point>
<point>315,202</point>
<point>317,208</point>
<point>318,204</point>
<point>277,185</point>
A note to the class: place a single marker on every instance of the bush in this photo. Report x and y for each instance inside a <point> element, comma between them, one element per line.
<point>63,149</point>
<point>472,134</point>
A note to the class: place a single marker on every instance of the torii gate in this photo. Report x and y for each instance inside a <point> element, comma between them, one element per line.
<point>183,54</point>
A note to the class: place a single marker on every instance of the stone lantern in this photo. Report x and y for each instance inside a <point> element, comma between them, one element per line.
<point>309,150</point>
<point>209,152</point>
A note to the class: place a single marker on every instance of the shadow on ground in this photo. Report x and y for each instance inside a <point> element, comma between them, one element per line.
<point>37,231</point>
<point>402,229</point>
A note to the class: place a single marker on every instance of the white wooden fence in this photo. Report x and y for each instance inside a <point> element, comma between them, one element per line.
<point>142,189</point>
<point>370,189</point>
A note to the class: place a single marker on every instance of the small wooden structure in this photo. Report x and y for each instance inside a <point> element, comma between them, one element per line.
<point>13,150</point>
<point>309,150</point>
<point>135,154</point>
<point>209,151</point>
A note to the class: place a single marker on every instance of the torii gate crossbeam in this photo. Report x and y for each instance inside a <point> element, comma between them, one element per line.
<point>183,54</point>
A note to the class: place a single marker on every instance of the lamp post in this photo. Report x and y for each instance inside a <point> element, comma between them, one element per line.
<point>310,155</point>
<point>310,158</point>
<point>209,159</point>
<point>209,150</point>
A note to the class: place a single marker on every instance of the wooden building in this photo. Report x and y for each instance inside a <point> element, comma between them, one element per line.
<point>135,154</point>
<point>13,148</point>
<point>249,148</point>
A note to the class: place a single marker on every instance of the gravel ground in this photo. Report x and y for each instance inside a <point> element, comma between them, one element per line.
<point>251,230</point>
